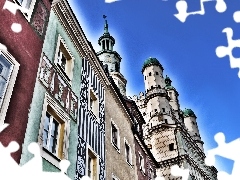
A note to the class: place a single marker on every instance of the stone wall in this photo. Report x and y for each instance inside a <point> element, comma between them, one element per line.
<point>115,159</point>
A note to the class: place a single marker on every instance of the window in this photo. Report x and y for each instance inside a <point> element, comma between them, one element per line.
<point>115,135</point>
<point>171,147</point>
<point>150,74</point>
<point>8,73</point>
<point>141,163</point>
<point>54,131</point>
<point>114,177</point>
<point>64,60</point>
<point>128,153</point>
<point>50,133</point>
<point>156,73</point>
<point>28,6</point>
<point>25,3</point>
<point>151,174</point>
<point>163,109</point>
<point>92,165</point>
<point>166,121</point>
<point>93,103</point>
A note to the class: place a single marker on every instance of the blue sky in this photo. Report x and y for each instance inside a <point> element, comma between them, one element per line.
<point>148,28</point>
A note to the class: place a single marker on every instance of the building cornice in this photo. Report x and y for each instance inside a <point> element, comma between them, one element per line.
<point>69,21</point>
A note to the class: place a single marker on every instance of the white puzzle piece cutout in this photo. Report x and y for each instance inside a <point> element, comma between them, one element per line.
<point>176,171</point>
<point>182,7</point>
<point>222,51</point>
<point>227,150</point>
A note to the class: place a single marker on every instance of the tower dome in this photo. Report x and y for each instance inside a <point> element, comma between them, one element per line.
<point>188,113</point>
<point>151,62</point>
<point>168,82</point>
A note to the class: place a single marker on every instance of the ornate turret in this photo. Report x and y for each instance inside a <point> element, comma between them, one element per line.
<point>152,71</point>
<point>173,94</point>
<point>111,59</point>
<point>192,127</point>
<point>106,41</point>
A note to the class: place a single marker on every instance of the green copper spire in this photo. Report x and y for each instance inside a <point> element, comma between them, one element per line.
<point>106,40</point>
<point>105,25</point>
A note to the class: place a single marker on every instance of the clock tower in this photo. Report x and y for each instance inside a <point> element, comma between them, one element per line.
<point>111,58</point>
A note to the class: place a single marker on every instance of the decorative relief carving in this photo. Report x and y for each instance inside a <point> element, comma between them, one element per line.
<point>57,87</point>
<point>40,18</point>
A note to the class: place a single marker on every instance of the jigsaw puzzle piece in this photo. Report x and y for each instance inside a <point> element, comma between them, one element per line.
<point>10,165</point>
<point>86,178</point>
<point>236,16</point>
<point>227,150</point>
<point>182,14</point>
<point>176,171</point>
<point>4,126</point>
<point>13,7</point>
<point>33,166</point>
<point>64,164</point>
<point>221,6</point>
<point>222,51</point>
<point>160,178</point>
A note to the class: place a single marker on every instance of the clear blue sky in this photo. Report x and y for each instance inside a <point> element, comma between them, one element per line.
<point>144,28</point>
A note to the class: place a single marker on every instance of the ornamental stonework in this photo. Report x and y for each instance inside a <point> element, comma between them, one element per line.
<point>40,19</point>
<point>57,87</point>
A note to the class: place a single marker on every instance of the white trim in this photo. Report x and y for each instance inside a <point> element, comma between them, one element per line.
<point>118,136</point>
<point>11,82</point>
<point>130,153</point>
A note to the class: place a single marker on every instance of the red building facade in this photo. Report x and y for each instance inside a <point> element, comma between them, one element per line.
<point>23,49</point>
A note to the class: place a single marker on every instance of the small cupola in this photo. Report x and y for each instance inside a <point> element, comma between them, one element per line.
<point>106,41</point>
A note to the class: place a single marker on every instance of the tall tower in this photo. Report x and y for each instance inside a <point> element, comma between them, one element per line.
<point>192,127</point>
<point>171,134</point>
<point>111,58</point>
<point>159,111</point>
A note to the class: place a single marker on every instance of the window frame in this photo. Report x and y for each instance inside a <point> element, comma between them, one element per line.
<point>141,162</point>
<point>10,84</point>
<point>130,162</point>
<point>151,173</point>
<point>67,76</point>
<point>29,13</point>
<point>95,101</point>
<point>116,146</point>
<point>51,106</point>
<point>95,158</point>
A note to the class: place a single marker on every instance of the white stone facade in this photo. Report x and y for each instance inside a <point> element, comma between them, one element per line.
<point>171,134</point>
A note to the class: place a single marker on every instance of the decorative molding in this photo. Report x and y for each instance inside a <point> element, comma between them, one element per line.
<point>57,87</point>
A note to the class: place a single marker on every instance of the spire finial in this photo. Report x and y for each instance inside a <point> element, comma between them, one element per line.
<point>105,25</point>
